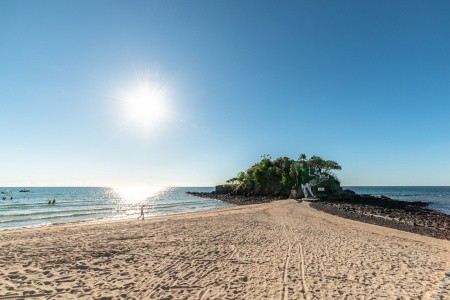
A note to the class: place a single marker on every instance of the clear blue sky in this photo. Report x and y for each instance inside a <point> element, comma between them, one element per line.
<point>365,83</point>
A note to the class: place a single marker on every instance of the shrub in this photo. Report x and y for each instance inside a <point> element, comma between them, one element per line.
<point>277,177</point>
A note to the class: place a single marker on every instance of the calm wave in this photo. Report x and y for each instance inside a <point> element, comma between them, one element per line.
<point>438,196</point>
<point>77,204</point>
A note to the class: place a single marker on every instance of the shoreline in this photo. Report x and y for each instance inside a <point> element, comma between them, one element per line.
<point>115,220</point>
<point>282,249</point>
<point>425,222</point>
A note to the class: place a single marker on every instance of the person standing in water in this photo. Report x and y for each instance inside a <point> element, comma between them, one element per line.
<point>142,213</point>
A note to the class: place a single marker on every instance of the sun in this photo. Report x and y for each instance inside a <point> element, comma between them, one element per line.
<point>145,106</point>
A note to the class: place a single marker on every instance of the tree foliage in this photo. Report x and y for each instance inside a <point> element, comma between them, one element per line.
<point>277,177</point>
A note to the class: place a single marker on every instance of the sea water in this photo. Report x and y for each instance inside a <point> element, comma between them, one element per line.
<point>437,196</point>
<point>79,204</point>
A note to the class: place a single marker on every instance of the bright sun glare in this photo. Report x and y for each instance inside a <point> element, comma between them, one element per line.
<point>137,194</point>
<point>145,106</point>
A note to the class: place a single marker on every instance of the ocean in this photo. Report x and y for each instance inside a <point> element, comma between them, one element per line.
<point>80,204</point>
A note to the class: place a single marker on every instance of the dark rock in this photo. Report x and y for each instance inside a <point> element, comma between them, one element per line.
<point>384,211</point>
<point>348,191</point>
<point>237,199</point>
<point>225,189</point>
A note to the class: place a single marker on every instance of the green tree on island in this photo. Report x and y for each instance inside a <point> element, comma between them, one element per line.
<point>277,177</point>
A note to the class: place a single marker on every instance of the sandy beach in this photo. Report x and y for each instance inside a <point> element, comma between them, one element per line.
<point>279,250</point>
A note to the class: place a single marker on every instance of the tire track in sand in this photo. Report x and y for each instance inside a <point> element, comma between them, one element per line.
<point>285,291</point>
<point>300,265</point>
<point>302,268</point>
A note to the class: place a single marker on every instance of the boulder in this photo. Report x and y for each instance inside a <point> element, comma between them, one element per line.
<point>225,189</point>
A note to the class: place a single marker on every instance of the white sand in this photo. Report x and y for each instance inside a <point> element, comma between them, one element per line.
<point>280,250</point>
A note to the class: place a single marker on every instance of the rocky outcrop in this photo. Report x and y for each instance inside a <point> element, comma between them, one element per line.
<point>225,189</point>
<point>296,194</point>
<point>384,211</point>
<point>237,199</point>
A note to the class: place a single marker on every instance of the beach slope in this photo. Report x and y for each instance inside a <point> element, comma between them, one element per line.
<point>277,250</point>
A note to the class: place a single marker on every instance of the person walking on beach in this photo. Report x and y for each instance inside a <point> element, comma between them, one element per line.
<point>142,213</point>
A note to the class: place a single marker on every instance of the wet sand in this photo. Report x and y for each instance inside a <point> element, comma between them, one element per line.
<point>277,250</point>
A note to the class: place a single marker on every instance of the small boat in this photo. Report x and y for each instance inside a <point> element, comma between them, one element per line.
<point>6,192</point>
<point>25,191</point>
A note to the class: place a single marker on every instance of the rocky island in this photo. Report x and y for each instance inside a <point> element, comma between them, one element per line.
<point>270,180</point>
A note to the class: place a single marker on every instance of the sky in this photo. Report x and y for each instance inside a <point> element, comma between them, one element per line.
<point>364,83</point>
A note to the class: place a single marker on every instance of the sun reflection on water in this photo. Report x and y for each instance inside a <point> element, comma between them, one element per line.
<point>137,194</point>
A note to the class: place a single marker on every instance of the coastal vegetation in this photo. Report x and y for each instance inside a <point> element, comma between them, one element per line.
<point>277,177</point>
